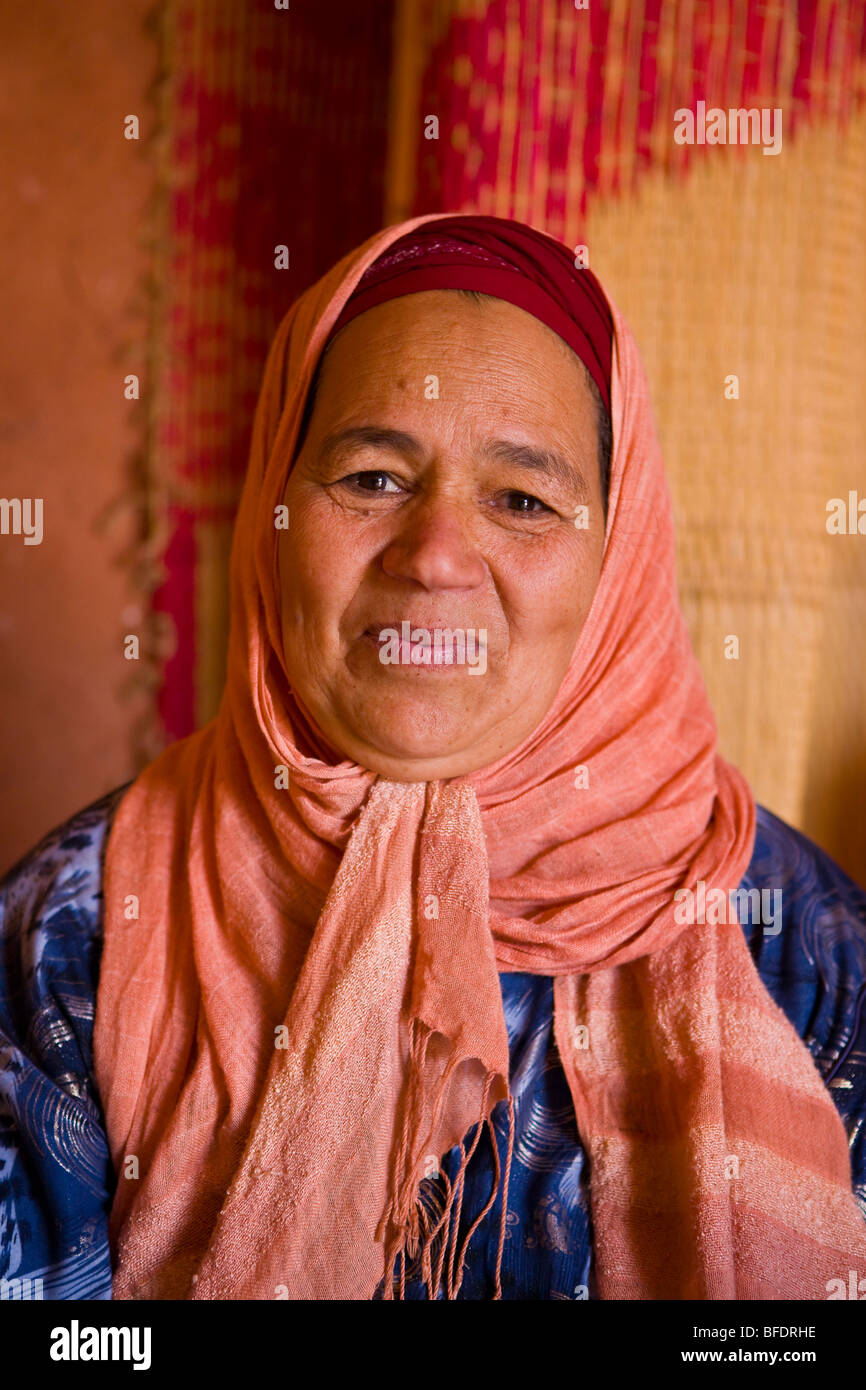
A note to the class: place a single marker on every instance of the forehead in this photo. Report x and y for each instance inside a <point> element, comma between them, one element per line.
<point>480,350</point>
<point>431,311</point>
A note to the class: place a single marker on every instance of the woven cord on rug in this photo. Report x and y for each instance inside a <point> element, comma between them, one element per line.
<point>738,272</point>
<point>273,134</point>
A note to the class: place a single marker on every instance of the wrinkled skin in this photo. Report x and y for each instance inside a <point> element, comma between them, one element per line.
<point>433,528</point>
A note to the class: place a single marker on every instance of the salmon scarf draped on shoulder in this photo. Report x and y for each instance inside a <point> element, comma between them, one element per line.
<point>299,1000</point>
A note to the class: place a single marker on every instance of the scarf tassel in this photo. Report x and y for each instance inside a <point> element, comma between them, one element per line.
<point>408,1227</point>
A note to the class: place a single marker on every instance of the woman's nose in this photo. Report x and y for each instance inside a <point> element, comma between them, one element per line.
<point>436,549</point>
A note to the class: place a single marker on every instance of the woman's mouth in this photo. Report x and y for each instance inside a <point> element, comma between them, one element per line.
<point>428,648</point>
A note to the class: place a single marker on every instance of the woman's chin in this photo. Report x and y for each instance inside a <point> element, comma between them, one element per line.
<point>415,754</point>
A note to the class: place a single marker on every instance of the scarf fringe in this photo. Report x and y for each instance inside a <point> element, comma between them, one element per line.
<point>407,1227</point>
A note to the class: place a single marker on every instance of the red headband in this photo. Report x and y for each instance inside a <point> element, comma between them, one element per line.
<point>500,257</point>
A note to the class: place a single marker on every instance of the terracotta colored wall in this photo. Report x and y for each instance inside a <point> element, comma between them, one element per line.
<point>75,195</point>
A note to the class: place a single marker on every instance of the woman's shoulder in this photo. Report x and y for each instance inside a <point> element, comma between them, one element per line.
<point>809,945</point>
<point>783,852</point>
<point>51,911</point>
<point>51,1130</point>
<point>69,854</point>
<point>810,909</point>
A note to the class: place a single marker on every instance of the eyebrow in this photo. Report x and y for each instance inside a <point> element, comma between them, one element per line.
<point>527,456</point>
<point>540,461</point>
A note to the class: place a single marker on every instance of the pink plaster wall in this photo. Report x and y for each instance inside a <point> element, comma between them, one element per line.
<point>75,194</point>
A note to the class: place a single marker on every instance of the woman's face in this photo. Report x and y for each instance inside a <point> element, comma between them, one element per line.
<point>449,455</point>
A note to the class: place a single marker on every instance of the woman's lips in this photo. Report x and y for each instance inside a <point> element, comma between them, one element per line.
<point>435,661</point>
<point>437,657</point>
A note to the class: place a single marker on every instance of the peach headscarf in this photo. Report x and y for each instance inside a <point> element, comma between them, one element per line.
<point>299,999</point>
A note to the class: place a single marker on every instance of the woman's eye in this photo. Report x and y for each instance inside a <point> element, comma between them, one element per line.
<point>525,503</point>
<point>375,482</point>
<point>370,481</point>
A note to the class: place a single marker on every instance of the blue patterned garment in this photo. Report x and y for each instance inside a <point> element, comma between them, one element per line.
<point>56,1178</point>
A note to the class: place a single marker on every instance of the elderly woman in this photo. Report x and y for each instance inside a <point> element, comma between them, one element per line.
<point>450,960</point>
